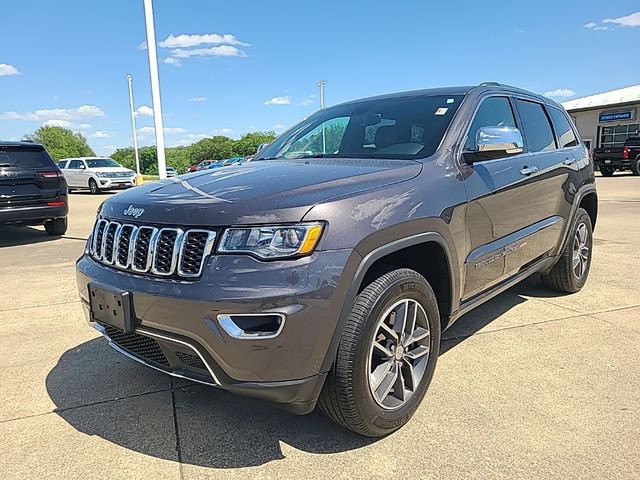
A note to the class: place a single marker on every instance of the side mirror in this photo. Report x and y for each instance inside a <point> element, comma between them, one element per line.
<point>82,166</point>
<point>495,142</point>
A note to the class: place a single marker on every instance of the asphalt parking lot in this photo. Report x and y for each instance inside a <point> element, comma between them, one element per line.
<point>531,385</point>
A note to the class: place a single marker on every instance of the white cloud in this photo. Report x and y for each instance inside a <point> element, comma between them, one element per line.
<point>278,126</point>
<point>142,131</point>
<point>219,51</point>
<point>144,111</point>
<point>7,70</point>
<point>57,123</point>
<point>198,99</point>
<point>560,92</point>
<point>632,20</point>
<point>55,114</point>
<point>286,100</point>
<point>99,134</point>
<point>172,61</point>
<point>223,131</point>
<point>310,100</point>
<point>186,41</point>
<point>142,45</point>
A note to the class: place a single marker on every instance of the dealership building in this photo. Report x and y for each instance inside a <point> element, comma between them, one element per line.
<point>606,119</point>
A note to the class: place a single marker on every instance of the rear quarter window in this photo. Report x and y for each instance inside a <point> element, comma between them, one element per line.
<point>62,164</point>
<point>24,157</point>
<point>566,137</point>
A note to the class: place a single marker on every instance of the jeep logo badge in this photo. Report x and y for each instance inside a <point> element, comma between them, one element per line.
<point>132,211</point>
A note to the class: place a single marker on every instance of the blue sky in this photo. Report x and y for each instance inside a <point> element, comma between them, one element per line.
<point>232,67</point>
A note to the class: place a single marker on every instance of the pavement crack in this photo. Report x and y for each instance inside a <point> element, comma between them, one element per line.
<point>175,427</point>
<point>90,404</point>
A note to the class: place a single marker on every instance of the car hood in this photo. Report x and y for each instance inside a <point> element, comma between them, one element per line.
<point>109,170</point>
<point>254,193</point>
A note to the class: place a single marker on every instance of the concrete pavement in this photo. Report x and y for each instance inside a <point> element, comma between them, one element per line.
<point>530,385</point>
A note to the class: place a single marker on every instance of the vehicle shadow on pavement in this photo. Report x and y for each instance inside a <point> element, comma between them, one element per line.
<point>214,428</point>
<point>11,236</point>
<point>101,393</point>
<point>474,321</point>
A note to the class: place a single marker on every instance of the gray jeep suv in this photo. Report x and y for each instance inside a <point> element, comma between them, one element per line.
<point>326,270</point>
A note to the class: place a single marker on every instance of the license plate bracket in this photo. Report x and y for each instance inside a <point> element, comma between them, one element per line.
<point>111,306</point>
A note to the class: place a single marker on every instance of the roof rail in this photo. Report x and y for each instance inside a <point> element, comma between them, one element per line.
<point>490,84</point>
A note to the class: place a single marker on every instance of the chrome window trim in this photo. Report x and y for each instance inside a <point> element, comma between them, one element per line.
<point>207,251</point>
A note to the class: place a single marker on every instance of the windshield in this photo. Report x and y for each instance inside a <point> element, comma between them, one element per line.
<point>24,157</point>
<point>404,128</point>
<point>102,163</point>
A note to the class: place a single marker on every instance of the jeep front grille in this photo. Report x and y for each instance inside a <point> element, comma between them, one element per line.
<point>156,251</point>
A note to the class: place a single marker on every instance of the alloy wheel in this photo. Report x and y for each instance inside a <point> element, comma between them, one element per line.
<point>398,354</point>
<point>580,259</point>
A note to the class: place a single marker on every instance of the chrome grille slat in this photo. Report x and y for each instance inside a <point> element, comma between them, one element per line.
<point>144,249</point>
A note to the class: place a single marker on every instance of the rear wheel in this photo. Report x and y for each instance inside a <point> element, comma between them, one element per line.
<point>635,168</point>
<point>607,171</point>
<point>386,356</point>
<point>57,226</point>
<point>93,186</point>
<point>570,273</point>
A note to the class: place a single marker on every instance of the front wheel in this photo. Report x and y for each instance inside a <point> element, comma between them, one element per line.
<point>570,273</point>
<point>607,171</point>
<point>93,186</point>
<point>386,356</point>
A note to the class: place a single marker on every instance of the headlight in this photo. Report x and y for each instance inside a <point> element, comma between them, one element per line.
<point>272,242</point>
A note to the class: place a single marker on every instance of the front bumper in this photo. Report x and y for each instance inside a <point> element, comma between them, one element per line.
<point>177,330</point>
<point>32,214</point>
<point>113,183</point>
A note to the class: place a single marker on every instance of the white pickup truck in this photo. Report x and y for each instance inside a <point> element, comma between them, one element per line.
<point>96,174</point>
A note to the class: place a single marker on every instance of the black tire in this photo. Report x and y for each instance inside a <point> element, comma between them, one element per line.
<point>57,226</point>
<point>347,398</point>
<point>607,171</point>
<point>635,168</point>
<point>563,277</point>
<point>93,186</point>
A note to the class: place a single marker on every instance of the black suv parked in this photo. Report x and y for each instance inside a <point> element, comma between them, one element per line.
<point>32,188</point>
<point>325,270</point>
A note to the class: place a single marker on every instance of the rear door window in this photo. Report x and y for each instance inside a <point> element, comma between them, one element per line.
<point>24,157</point>
<point>566,137</point>
<point>536,126</point>
<point>62,164</point>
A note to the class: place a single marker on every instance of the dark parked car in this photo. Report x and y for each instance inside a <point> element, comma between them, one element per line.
<point>610,159</point>
<point>328,276</point>
<point>33,190</point>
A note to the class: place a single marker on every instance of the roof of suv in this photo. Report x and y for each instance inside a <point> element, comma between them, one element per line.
<point>4,143</point>
<point>459,90</point>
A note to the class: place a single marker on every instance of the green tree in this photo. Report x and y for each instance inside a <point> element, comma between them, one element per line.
<point>62,142</point>
<point>249,142</point>
<point>214,148</point>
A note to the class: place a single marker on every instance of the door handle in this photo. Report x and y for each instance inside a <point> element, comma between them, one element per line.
<point>569,161</point>
<point>528,170</point>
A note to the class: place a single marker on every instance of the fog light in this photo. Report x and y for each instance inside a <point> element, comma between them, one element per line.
<point>262,326</point>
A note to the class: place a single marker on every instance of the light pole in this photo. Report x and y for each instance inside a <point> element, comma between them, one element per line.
<point>321,84</point>
<point>155,87</point>
<point>133,125</point>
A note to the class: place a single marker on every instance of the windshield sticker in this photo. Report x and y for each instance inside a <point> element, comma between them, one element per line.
<point>441,111</point>
<point>450,100</point>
